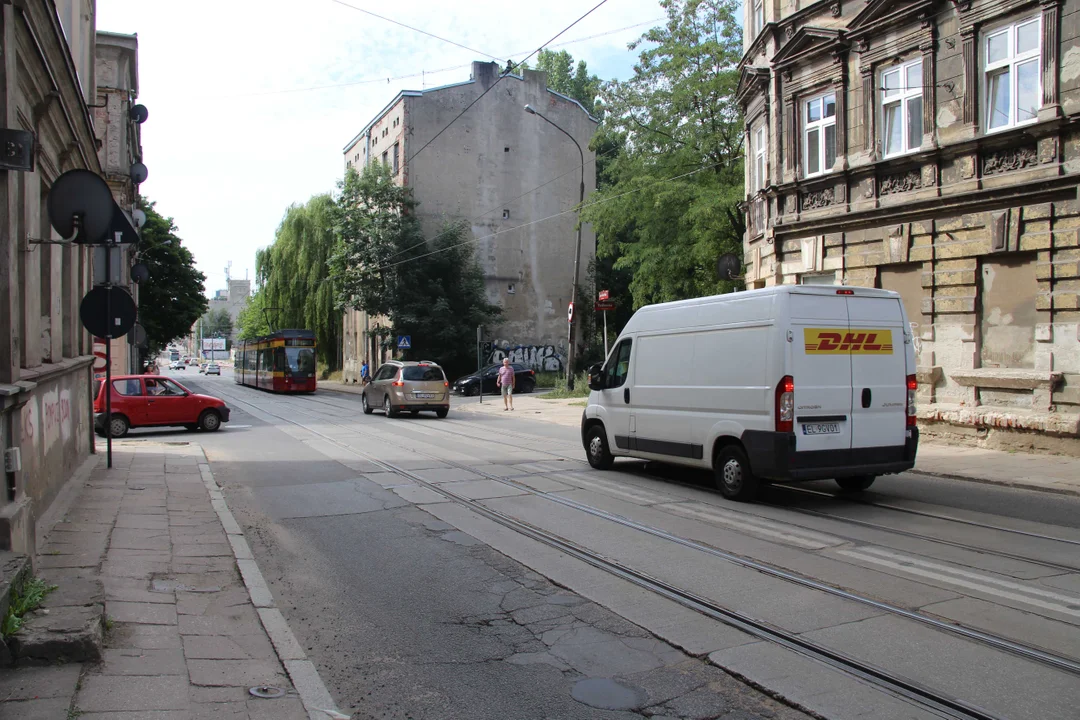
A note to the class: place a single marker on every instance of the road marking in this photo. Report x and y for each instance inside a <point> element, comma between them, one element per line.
<point>1067,605</point>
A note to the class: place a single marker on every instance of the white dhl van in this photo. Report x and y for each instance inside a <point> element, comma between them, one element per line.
<point>793,382</point>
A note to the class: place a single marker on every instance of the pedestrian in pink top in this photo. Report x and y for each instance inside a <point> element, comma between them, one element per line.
<point>506,381</point>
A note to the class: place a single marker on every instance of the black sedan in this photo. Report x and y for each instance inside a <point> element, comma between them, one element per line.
<point>524,380</point>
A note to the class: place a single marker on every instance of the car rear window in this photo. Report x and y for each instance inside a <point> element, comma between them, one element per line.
<point>417,372</point>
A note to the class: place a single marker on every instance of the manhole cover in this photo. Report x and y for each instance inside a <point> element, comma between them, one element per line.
<point>267,691</point>
<point>606,694</point>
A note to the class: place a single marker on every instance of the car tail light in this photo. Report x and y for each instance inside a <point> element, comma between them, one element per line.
<point>398,382</point>
<point>845,292</point>
<point>785,404</point>
<point>912,386</point>
<point>532,372</point>
<point>446,384</point>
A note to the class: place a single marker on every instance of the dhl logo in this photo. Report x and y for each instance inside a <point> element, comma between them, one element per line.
<point>834,341</point>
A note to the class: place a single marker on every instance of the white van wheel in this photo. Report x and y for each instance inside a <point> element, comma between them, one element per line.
<point>855,484</point>
<point>733,476</point>
<point>596,448</point>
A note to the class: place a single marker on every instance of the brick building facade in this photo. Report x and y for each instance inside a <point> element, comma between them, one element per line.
<point>931,148</point>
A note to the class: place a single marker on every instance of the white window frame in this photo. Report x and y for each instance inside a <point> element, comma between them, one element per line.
<point>759,168</point>
<point>820,125</point>
<point>1011,63</point>
<point>903,98</point>
<point>757,17</point>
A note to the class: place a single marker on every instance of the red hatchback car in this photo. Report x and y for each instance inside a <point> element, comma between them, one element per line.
<point>153,400</point>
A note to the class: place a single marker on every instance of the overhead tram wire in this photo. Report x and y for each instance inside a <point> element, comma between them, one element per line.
<point>499,79</point>
<point>414,29</point>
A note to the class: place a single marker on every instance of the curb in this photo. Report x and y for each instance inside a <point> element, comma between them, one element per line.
<point>302,672</point>
<point>1067,491</point>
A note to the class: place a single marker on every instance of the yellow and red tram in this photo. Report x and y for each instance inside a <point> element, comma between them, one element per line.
<point>283,361</point>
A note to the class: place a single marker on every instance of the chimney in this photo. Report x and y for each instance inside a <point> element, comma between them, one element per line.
<point>536,82</point>
<point>485,73</point>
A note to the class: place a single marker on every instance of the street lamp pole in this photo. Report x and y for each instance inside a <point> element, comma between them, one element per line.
<point>577,252</point>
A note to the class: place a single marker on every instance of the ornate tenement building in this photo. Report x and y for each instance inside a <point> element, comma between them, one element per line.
<point>931,148</point>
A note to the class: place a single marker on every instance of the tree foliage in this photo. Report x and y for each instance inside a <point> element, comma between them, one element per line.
<point>217,323</point>
<point>252,321</point>
<point>563,76</point>
<point>432,291</point>
<point>173,298</point>
<point>295,286</point>
<point>667,205</point>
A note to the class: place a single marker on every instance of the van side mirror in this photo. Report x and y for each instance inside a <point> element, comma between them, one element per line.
<point>596,377</point>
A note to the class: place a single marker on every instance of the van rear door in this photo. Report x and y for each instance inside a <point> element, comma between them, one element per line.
<point>878,373</point>
<point>821,371</point>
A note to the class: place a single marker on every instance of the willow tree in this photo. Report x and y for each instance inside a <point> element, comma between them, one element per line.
<point>295,287</point>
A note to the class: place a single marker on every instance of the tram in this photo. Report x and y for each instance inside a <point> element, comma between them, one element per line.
<point>283,361</point>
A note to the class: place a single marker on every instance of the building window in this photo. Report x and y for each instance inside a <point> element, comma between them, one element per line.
<point>1012,82</point>
<point>759,148</point>
<point>506,214</point>
<point>901,108</point>
<point>386,158</point>
<point>757,18</point>
<point>819,134</point>
<point>506,149</point>
<point>397,147</point>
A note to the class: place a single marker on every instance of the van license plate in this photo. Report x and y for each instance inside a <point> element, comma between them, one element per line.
<point>424,396</point>
<point>821,429</point>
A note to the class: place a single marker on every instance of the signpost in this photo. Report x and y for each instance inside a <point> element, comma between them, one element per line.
<point>604,304</point>
<point>480,360</point>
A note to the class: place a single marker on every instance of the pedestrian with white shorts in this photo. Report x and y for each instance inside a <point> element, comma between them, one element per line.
<point>506,381</point>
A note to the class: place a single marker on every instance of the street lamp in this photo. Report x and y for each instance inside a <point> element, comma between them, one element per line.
<point>577,254</point>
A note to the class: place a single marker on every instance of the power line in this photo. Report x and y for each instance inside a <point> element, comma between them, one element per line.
<point>499,79</point>
<point>414,29</point>
<point>556,215</point>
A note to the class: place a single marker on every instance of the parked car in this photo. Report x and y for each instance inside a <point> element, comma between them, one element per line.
<point>524,380</point>
<point>213,369</point>
<point>794,382</point>
<point>411,386</point>
<point>177,365</point>
<point>153,400</point>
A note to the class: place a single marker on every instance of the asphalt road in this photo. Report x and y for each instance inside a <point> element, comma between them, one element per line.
<point>412,606</point>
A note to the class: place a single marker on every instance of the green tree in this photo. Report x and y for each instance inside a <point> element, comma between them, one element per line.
<point>433,291</point>
<point>173,298</point>
<point>252,321</point>
<point>295,286</point>
<point>667,205</point>
<point>563,76</point>
<point>217,323</point>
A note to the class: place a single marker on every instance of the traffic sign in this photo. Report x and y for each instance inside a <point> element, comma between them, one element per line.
<point>604,295</point>
<point>107,312</point>
<point>99,355</point>
<point>570,313</point>
<point>606,305</point>
<point>404,342</point>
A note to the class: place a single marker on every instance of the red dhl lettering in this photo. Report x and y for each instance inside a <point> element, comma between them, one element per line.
<point>819,341</point>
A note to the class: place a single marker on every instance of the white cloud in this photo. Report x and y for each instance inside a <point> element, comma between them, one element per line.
<point>226,161</point>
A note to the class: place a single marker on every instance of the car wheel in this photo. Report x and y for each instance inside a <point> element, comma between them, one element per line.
<point>527,387</point>
<point>118,426</point>
<point>209,421</point>
<point>363,401</point>
<point>596,448</point>
<point>856,484</point>
<point>414,413</point>
<point>734,478</point>
<point>388,409</point>
<point>472,390</point>
<point>442,412</point>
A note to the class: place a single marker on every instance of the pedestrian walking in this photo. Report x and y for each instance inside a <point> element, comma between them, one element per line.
<point>506,380</point>
<point>364,373</point>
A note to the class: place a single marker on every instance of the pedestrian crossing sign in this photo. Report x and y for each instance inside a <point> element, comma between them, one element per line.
<point>404,342</point>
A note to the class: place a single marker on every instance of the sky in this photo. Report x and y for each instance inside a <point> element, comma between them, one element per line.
<point>236,134</point>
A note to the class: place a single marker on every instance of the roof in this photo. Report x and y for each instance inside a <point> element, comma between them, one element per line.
<point>774,290</point>
<point>418,93</point>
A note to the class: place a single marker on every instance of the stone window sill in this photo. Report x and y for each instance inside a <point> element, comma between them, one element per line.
<point>1006,378</point>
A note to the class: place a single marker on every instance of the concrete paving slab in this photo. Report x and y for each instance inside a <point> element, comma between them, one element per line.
<point>238,673</point>
<point>340,498</point>
<point>485,489</point>
<point>445,475</point>
<point>135,661</point>
<point>57,681</point>
<point>113,693</point>
<point>1023,627</point>
<point>141,613</point>
<point>420,495</point>
<point>44,709</point>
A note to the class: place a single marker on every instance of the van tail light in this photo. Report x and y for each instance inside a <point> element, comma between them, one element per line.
<point>785,405</point>
<point>912,386</point>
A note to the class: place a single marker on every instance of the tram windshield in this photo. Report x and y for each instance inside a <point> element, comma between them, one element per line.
<point>301,360</point>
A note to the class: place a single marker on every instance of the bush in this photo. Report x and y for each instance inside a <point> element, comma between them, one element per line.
<point>549,379</point>
<point>581,388</point>
<point>23,600</point>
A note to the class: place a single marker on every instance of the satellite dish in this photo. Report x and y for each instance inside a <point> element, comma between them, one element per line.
<point>729,267</point>
<point>138,113</point>
<point>138,336</point>
<point>139,217</point>
<point>140,273</point>
<point>84,195</point>
<point>139,173</point>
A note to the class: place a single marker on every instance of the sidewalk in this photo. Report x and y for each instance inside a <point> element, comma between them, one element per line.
<point>190,625</point>
<point>1049,473</point>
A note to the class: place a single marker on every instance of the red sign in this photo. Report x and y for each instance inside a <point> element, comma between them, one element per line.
<point>570,313</point>
<point>607,305</point>
<point>604,295</point>
<point>99,357</point>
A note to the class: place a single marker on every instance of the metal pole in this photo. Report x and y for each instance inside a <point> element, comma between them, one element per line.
<point>108,351</point>
<point>480,360</point>
<point>605,335</point>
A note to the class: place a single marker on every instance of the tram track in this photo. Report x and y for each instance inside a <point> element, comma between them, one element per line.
<point>1062,567</point>
<point>1028,652</point>
<point>909,690</point>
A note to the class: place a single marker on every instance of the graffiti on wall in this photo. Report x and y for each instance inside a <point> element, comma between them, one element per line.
<point>537,357</point>
<point>51,423</point>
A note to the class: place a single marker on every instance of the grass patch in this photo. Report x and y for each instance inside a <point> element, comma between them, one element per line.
<point>583,403</point>
<point>581,388</point>
<point>549,379</point>
<point>23,600</point>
